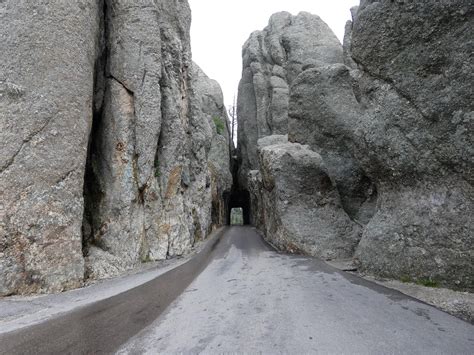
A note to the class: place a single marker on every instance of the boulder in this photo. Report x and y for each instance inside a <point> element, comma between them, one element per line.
<point>302,208</point>
<point>322,111</point>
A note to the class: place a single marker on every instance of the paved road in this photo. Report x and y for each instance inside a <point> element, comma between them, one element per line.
<point>101,327</point>
<point>249,298</point>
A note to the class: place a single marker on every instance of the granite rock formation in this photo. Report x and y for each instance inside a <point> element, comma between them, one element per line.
<point>301,205</point>
<point>46,98</point>
<point>392,119</point>
<point>414,137</point>
<point>210,106</point>
<point>115,145</point>
<point>268,105</point>
<point>272,59</point>
<point>115,148</point>
<point>322,106</point>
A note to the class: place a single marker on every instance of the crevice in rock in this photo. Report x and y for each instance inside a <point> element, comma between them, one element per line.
<point>163,109</point>
<point>141,194</point>
<point>91,191</point>
<point>364,200</point>
<point>64,177</point>
<point>237,197</point>
<point>130,92</point>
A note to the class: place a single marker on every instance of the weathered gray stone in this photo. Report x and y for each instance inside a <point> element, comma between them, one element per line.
<point>210,101</point>
<point>145,182</point>
<point>254,185</point>
<point>272,59</point>
<point>125,209</point>
<point>401,119</point>
<point>347,42</point>
<point>46,91</point>
<point>322,111</point>
<point>302,210</point>
<point>279,63</point>
<point>415,137</point>
<point>156,142</point>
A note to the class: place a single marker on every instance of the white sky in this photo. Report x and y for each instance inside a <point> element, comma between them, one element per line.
<point>220,27</point>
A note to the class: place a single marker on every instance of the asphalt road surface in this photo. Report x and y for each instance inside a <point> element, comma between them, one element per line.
<point>247,298</point>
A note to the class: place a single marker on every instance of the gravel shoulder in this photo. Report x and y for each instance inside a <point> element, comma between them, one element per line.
<point>456,303</point>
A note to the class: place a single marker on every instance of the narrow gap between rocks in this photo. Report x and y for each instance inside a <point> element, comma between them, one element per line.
<point>91,190</point>
<point>238,198</point>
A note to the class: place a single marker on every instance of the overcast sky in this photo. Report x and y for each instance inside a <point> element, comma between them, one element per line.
<point>220,28</point>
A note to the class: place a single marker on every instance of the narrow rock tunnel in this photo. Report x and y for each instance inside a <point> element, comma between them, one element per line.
<point>235,199</point>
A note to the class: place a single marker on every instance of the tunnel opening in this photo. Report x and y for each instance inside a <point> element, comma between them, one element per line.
<point>236,217</point>
<point>238,199</point>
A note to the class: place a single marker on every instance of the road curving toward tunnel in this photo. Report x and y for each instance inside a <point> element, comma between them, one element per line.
<point>240,295</point>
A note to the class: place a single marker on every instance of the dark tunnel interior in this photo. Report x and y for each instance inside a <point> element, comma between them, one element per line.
<point>238,198</point>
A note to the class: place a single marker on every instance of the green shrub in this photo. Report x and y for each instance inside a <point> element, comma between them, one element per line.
<point>220,126</point>
<point>422,282</point>
<point>405,278</point>
<point>427,282</point>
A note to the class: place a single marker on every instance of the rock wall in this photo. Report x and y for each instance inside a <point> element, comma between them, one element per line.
<point>414,137</point>
<point>273,60</point>
<point>210,106</point>
<point>321,108</point>
<point>47,71</point>
<point>115,146</point>
<point>392,120</point>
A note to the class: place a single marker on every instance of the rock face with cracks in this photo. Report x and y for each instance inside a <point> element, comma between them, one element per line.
<point>112,152</point>
<point>301,206</point>
<point>115,148</point>
<point>392,120</point>
<point>322,106</point>
<point>210,105</point>
<point>274,61</point>
<point>46,99</point>
<point>414,137</point>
